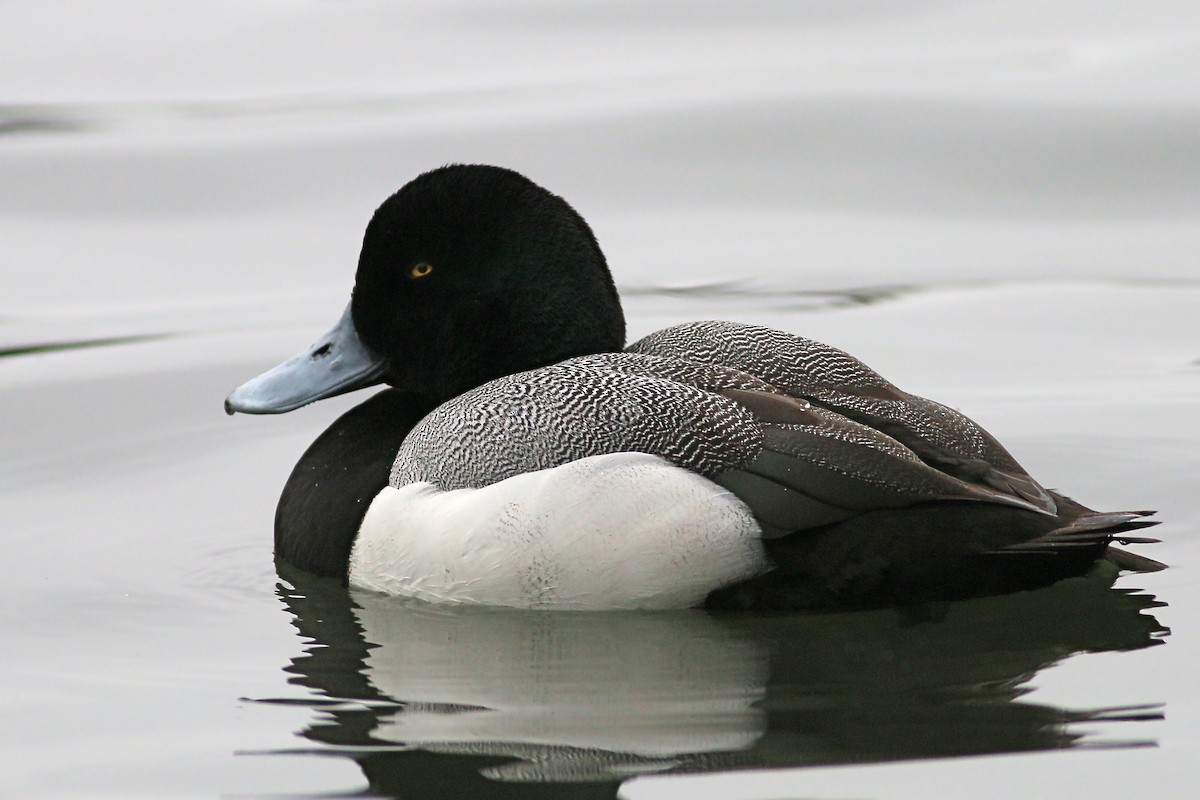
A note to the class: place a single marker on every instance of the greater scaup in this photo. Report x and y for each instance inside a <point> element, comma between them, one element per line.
<point>523,458</point>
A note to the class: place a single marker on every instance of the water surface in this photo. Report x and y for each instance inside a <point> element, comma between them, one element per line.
<point>992,204</point>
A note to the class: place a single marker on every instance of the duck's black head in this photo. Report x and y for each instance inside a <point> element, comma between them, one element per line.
<point>473,272</point>
<point>467,273</point>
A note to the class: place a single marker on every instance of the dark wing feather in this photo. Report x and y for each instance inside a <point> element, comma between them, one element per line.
<point>817,467</point>
<point>939,436</point>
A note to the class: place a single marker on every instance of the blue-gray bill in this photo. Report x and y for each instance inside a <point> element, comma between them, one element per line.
<point>336,363</point>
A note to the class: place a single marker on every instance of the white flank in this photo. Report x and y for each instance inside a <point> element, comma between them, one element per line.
<point>626,530</point>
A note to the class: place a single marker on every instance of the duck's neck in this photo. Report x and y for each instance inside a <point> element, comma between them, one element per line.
<point>332,485</point>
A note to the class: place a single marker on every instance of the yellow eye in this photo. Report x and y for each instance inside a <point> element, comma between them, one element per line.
<point>420,270</point>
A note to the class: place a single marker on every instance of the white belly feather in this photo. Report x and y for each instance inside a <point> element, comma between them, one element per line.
<point>626,530</point>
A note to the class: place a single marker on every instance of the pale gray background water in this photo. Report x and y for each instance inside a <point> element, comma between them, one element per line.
<point>994,204</point>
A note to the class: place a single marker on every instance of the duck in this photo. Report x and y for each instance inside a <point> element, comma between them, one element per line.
<point>524,455</point>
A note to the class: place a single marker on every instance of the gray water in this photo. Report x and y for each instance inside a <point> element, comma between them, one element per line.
<point>993,204</point>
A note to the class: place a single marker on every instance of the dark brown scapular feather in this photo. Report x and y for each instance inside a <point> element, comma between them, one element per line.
<point>852,525</point>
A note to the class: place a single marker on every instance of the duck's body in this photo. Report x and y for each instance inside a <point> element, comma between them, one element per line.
<point>522,460</point>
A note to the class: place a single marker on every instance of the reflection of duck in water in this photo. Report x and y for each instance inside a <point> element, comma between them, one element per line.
<point>478,702</point>
<point>534,464</point>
